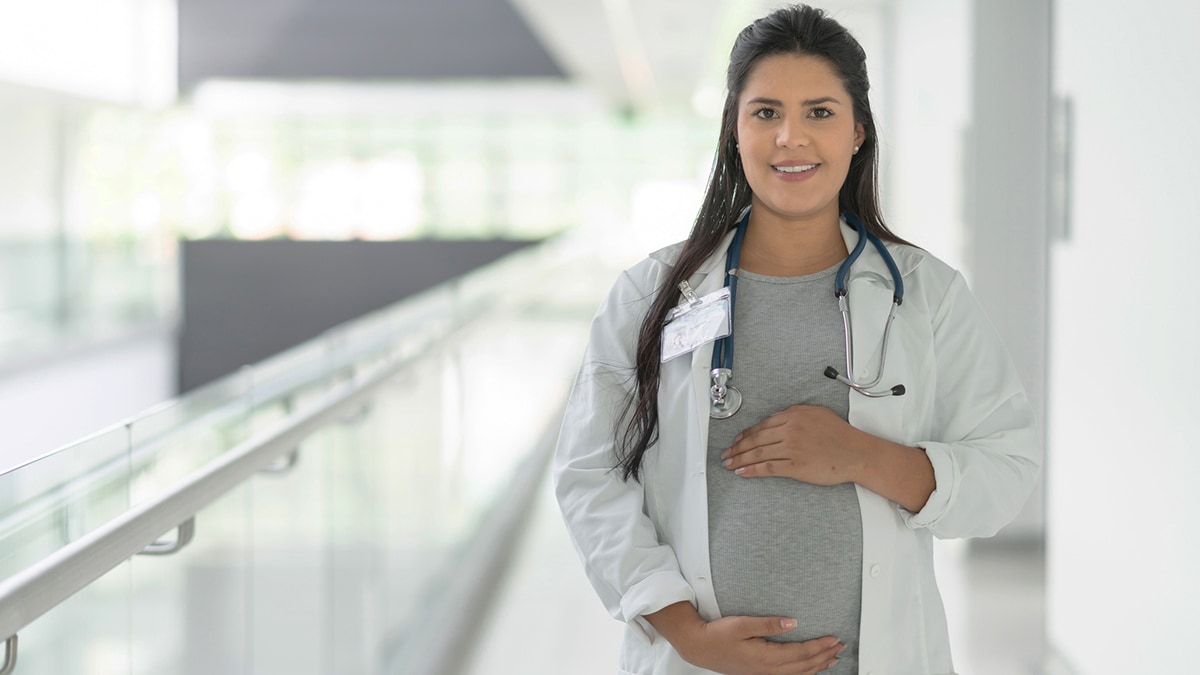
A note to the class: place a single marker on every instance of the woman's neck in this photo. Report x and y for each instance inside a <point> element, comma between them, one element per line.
<point>785,248</point>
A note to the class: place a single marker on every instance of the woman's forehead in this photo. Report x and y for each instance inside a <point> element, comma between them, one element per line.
<point>793,77</point>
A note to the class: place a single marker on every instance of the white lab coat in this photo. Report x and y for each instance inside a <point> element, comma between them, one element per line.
<point>644,544</point>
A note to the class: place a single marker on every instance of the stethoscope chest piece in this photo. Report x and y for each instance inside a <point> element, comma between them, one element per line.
<point>726,400</point>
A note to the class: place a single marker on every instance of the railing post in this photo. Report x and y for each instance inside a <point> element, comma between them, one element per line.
<point>283,464</point>
<point>10,656</point>
<point>187,530</point>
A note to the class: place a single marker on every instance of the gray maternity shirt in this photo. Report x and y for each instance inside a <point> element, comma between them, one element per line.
<point>780,547</point>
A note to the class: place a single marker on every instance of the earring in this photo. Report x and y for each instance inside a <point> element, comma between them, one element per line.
<point>856,149</point>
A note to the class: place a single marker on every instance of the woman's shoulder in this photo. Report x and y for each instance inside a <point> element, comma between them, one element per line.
<point>650,271</point>
<point>920,263</point>
<point>928,280</point>
<point>667,255</point>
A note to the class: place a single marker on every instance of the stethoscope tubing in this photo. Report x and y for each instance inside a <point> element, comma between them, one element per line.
<point>722,357</point>
<point>844,306</point>
<point>723,350</point>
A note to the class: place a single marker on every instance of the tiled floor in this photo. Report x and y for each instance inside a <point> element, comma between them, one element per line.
<point>547,621</point>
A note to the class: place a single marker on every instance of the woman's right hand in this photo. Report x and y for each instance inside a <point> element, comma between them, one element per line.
<point>736,645</point>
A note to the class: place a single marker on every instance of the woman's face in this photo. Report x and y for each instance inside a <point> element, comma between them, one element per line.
<point>796,135</point>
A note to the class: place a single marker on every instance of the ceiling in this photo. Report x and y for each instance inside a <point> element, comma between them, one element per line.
<point>356,40</point>
<point>655,53</point>
<point>637,54</point>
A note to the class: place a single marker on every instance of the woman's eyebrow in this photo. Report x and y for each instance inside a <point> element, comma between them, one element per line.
<point>805,104</point>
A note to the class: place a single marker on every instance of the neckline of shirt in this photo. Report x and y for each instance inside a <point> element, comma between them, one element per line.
<point>744,275</point>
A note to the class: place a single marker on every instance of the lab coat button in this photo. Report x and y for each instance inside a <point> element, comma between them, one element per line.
<point>874,575</point>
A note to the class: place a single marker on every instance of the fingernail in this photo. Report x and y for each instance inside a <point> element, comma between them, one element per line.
<point>740,471</point>
<point>831,664</point>
<point>831,641</point>
<point>841,649</point>
<point>725,455</point>
<point>788,623</point>
<point>729,461</point>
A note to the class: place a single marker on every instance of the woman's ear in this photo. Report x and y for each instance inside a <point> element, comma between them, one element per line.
<point>860,134</point>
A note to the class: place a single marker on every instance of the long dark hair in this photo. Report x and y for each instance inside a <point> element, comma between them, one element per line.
<point>797,29</point>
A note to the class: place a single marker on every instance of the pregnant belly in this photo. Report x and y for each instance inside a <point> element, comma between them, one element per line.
<point>778,547</point>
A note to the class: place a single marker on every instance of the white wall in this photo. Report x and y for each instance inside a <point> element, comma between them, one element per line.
<point>113,50</point>
<point>29,154</point>
<point>1123,499</point>
<point>77,392</point>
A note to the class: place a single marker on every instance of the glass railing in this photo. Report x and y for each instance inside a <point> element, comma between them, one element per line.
<point>338,508</point>
<point>56,293</point>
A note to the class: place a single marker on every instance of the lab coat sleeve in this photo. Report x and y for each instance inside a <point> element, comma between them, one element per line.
<point>631,570</point>
<point>986,453</point>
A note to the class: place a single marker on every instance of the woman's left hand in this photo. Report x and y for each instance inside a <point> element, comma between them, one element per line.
<point>804,442</point>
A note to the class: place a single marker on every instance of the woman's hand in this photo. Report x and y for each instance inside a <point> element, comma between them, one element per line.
<point>735,645</point>
<point>815,445</point>
<point>805,442</point>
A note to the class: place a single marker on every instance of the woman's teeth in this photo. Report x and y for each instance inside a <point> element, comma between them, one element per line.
<point>795,169</point>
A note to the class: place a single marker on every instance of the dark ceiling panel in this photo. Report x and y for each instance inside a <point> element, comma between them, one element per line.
<point>356,40</point>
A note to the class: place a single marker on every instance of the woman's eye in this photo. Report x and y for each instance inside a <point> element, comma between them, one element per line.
<point>821,113</point>
<point>765,114</point>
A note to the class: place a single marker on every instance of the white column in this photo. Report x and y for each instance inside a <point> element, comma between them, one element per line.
<point>1005,242</point>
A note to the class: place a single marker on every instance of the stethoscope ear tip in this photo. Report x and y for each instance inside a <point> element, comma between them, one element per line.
<point>831,372</point>
<point>898,390</point>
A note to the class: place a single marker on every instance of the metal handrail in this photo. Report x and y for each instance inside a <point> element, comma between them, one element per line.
<point>117,468</point>
<point>30,593</point>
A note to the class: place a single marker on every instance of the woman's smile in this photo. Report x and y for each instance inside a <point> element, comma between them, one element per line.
<point>795,171</point>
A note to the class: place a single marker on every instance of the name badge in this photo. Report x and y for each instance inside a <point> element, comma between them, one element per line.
<point>696,322</point>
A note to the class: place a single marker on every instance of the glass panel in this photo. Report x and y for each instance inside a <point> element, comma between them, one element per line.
<point>55,500</point>
<point>354,484</point>
<point>190,611</point>
<point>289,570</point>
<point>285,371</point>
<point>417,464</point>
<point>86,635</point>
<point>170,443</point>
<point>28,282</point>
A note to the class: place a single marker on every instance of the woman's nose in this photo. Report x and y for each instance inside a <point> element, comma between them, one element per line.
<point>792,134</point>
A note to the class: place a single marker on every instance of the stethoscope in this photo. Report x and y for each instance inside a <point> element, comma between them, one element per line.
<point>725,398</point>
